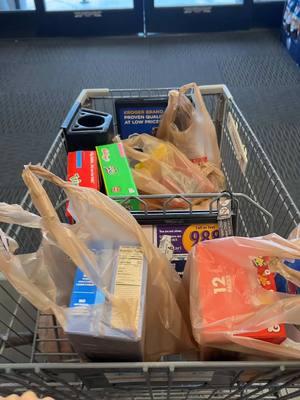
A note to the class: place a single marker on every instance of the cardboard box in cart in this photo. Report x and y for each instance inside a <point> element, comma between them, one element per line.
<point>116,173</point>
<point>98,331</point>
<point>82,170</point>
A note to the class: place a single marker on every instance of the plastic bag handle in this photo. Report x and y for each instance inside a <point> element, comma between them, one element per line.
<point>43,173</point>
<point>134,154</point>
<point>144,141</point>
<point>15,214</point>
<point>198,96</point>
<point>38,194</point>
<point>67,240</point>
<point>169,117</point>
<point>295,234</point>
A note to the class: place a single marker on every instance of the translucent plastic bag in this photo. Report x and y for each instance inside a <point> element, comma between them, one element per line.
<point>37,276</point>
<point>94,244</point>
<point>41,269</point>
<point>295,234</point>
<point>229,307</point>
<point>189,127</point>
<point>158,167</point>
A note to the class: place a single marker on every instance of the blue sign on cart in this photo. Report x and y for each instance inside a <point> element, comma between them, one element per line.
<point>138,118</point>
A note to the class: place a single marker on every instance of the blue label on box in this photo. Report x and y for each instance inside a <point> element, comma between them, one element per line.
<point>138,119</point>
<point>82,299</point>
<point>85,292</point>
<point>79,159</point>
<point>82,283</point>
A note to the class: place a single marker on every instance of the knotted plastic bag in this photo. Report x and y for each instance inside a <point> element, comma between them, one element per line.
<point>189,126</point>
<point>158,167</point>
<point>231,309</point>
<point>92,244</point>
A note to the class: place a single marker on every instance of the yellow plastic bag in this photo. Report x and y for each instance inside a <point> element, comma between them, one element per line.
<point>189,127</point>
<point>158,167</point>
<point>229,307</point>
<point>102,226</point>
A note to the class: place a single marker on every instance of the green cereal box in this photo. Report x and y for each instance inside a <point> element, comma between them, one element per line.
<point>116,172</point>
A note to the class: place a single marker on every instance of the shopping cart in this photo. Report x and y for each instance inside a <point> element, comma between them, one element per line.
<point>36,355</point>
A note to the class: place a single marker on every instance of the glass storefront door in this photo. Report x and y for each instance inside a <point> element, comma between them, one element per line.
<point>197,15</point>
<point>131,17</point>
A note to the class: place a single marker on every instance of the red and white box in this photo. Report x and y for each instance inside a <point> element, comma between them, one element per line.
<point>82,170</point>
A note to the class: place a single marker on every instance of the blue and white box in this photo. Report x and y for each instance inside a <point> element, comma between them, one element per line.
<point>98,331</point>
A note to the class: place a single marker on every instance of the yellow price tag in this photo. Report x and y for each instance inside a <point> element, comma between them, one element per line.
<point>196,233</point>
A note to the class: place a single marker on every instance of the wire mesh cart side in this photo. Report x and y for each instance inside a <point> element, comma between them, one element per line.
<point>163,380</point>
<point>34,351</point>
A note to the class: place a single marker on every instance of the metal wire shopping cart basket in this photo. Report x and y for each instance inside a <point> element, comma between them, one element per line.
<point>46,363</point>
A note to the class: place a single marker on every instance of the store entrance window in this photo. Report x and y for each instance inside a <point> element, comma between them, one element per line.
<point>133,17</point>
<point>77,5</point>
<point>189,16</point>
<point>17,5</point>
<point>191,3</point>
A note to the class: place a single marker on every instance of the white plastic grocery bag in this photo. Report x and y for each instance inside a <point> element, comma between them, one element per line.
<point>189,126</point>
<point>45,278</point>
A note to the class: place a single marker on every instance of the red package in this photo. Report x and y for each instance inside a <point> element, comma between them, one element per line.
<point>227,294</point>
<point>83,171</point>
<point>221,295</point>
